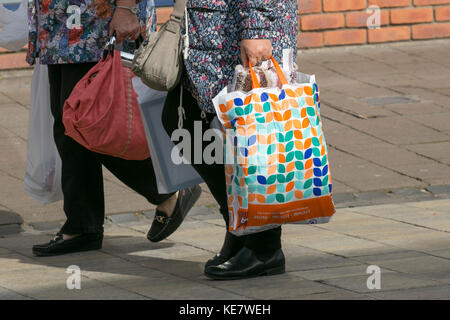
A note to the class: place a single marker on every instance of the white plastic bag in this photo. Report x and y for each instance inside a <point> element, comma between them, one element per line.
<point>170,177</point>
<point>14,27</point>
<point>43,176</point>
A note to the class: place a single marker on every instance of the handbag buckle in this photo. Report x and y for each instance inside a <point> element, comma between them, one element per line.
<point>175,18</point>
<point>109,46</point>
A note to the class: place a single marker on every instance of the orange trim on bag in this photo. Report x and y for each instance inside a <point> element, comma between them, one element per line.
<point>259,215</point>
<point>279,72</point>
<point>255,82</point>
<point>254,78</point>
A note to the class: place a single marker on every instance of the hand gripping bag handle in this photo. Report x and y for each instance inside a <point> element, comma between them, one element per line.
<point>110,45</point>
<point>255,82</point>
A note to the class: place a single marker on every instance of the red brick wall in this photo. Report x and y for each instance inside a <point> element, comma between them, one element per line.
<point>343,22</point>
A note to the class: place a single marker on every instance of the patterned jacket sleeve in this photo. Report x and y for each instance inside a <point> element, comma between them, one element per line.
<point>256,18</point>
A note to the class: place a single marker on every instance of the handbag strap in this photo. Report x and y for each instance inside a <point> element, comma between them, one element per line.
<point>178,9</point>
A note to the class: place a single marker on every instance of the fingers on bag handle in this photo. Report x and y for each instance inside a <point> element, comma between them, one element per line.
<point>255,82</point>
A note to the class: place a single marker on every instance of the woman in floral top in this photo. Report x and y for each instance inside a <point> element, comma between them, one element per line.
<point>223,34</point>
<point>75,31</point>
<point>69,36</point>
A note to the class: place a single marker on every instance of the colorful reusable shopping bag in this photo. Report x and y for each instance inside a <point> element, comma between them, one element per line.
<point>276,158</point>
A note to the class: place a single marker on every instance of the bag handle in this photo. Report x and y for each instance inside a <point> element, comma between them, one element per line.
<point>110,45</point>
<point>255,82</point>
<point>178,9</point>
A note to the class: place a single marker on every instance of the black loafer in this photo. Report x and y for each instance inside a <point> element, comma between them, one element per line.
<point>58,246</point>
<point>217,260</point>
<point>245,264</point>
<point>163,225</point>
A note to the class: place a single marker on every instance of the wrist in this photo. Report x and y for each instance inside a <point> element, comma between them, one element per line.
<point>125,3</point>
<point>127,7</point>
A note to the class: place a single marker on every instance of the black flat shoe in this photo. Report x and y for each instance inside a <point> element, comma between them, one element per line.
<point>245,264</point>
<point>163,225</point>
<point>231,245</point>
<point>58,246</point>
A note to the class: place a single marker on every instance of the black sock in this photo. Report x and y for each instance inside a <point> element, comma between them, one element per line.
<point>232,244</point>
<point>264,244</point>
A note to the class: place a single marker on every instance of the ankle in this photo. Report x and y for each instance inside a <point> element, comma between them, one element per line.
<point>69,236</point>
<point>232,244</point>
<point>168,206</point>
<point>265,255</point>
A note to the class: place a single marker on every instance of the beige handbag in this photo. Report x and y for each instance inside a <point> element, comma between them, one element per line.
<point>158,60</point>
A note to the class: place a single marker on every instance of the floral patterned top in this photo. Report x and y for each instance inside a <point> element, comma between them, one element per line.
<point>75,31</point>
<point>215,29</point>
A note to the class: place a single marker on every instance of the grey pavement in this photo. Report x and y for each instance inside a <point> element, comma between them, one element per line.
<point>386,113</point>
<point>408,242</point>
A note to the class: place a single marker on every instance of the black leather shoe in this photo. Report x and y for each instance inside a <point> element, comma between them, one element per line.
<point>163,225</point>
<point>231,245</point>
<point>58,246</point>
<point>245,264</point>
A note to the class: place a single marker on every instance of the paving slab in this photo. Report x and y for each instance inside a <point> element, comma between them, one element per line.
<point>444,189</point>
<point>370,177</point>
<point>101,293</point>
<point>427,293</point>
<point>399,130</point>
<point>303,258</point>
<point>5,99</point>
<point>332,273</point>
<point>416,108</point>
<point>389,281</point>
<point>343,197</point>
<point>386,154</point>
<point>439,205</point>
<point>176,252</point>
<point>413,192</point>
<point>424,92</point>
<point>441,253</point>
<point>419,264</point>
<point>337,294</point>
<point>6,294</point>
<point>187,291</point>
<point>123,218</point>
<point>438,121</point>
<point>424,171</point>
<point>424,241</point>
<point>276,287</point>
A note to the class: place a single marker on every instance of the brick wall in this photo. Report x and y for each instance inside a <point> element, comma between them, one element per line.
<point>343,22</point>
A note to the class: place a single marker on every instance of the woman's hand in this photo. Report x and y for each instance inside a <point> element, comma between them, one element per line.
<point>255,50</point>
<point>124,22</point>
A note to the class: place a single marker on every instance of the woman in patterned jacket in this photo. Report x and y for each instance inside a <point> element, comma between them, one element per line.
<point>222,34</point>
<point>69,37</point>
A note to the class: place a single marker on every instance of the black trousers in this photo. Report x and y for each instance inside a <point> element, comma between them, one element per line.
<point>82,179</point>
<point>212,174</point>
